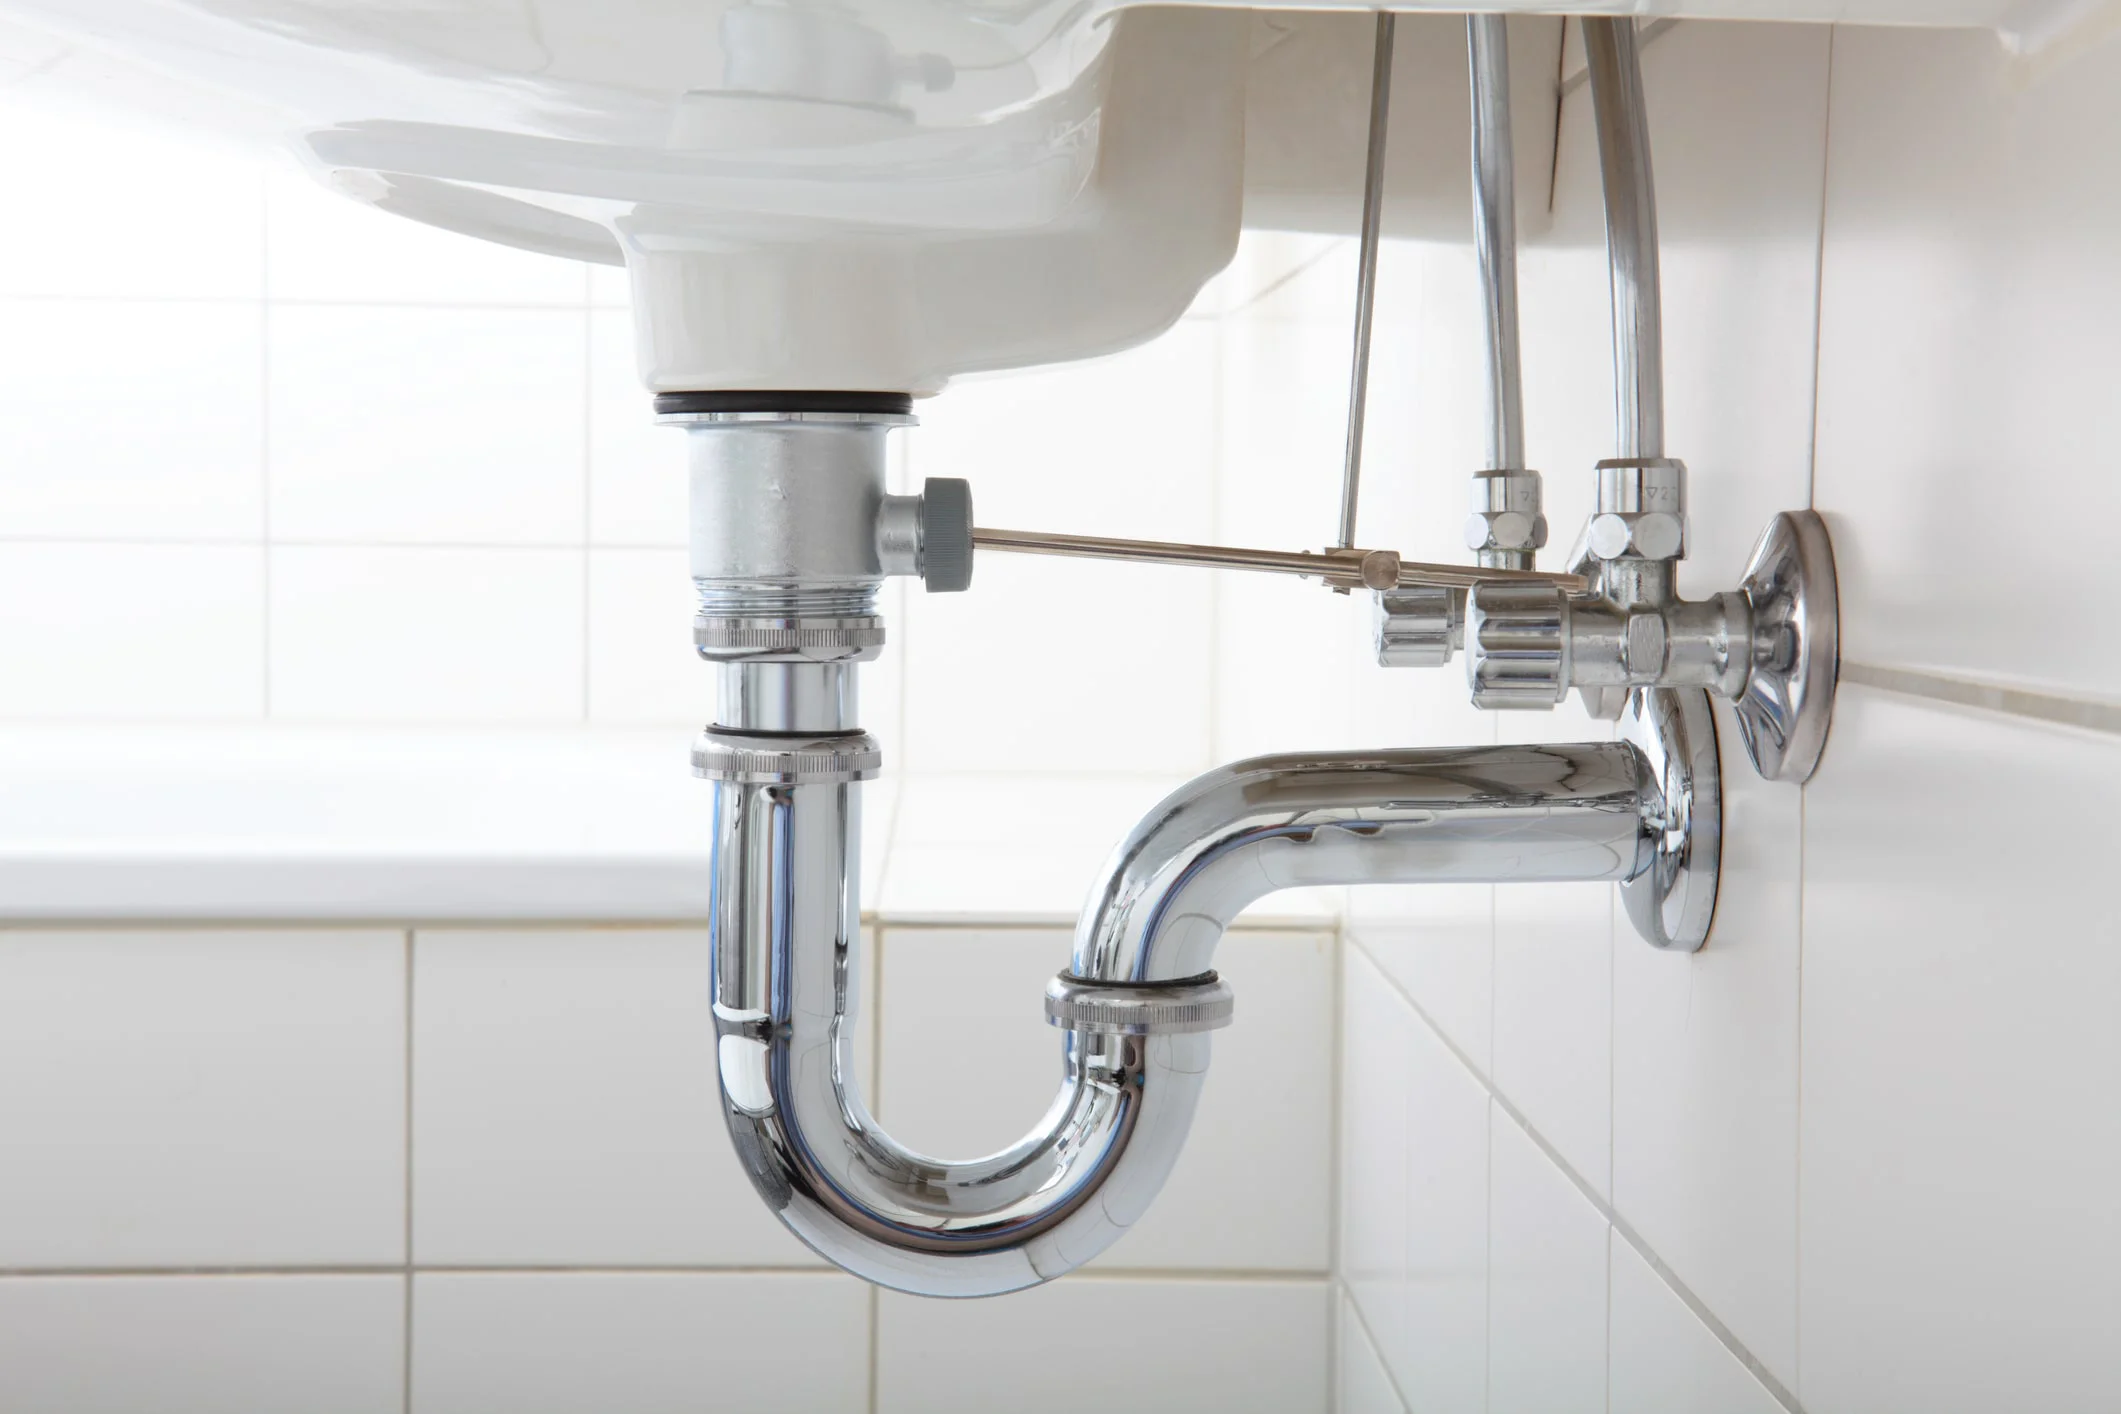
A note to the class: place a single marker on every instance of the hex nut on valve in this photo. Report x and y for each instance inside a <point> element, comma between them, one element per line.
<point>1505,512</point>
<point>1641,510</point>
<point>1647,535</point>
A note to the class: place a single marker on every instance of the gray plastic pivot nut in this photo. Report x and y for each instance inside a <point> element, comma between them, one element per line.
<point>946,534</point>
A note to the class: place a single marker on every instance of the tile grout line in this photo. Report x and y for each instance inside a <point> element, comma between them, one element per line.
<point>265,527</point>
<point>1608,1352</point>
<point>1210,1276</point>
<point>1708,1318</point>
<point>1362,1324</point>
<point>406,1336</point>
<point>1826,152</point>
<point>1217,456</point>
<point>588,473</point>
<point>1335,1128</point>
<point>874,1361</point>
<point>2058,709</point>
<point>1811,499</point>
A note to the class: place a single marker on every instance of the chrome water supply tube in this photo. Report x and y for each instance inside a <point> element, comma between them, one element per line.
<point>1506,523</point>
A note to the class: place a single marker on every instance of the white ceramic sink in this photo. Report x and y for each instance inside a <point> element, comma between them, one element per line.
<point>871,195</point>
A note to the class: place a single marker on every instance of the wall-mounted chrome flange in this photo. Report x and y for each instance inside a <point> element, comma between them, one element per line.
<point>1672,899</point>
<point>1788,703</point>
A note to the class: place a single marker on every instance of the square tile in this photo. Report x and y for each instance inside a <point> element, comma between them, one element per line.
<point>1961,1151</point>
<point>428,425</point>
<point>1252,1190</point>
<point>1121,446</point>
<point>323,245</point>
<point>660,1341</point>
<point>1362,1386</point>
<point>1283,648</point>
<point>1377,1040</point>
<point>1554,1017</point>
<point>1546,1284</point>
<point>202,1345</point>
<point>200,1099</point>
<point>1117,681</point>
<point>642,666</point>
<point>1970,319</point>
<point>637,487</point>
<point>1663,1359</point>
<point>94,178</point>
<point>1282,435</point>
<point>118,632</point>
<point>427,634</point>
<point>1007,845</point>
<point>177,455</point>
<point>565,1108</point>
<point>1414,1229</point>
<point>1738,122</point>
<point>1191,1347</point>
<point>1436,942</point>
<point>1705,1075</point>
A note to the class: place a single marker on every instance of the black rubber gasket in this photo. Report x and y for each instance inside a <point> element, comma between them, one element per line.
<point>783,400</point>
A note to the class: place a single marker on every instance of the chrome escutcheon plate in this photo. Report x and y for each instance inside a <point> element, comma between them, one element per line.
<point>1788,703</point>
<point>1672,900</point>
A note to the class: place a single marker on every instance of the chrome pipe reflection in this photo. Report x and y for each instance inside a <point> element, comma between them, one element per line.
<point>785,928</point>
<point>1612,52</point>
<point>1495,233</point>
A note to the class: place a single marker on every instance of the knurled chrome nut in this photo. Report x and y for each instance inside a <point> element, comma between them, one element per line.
<point>766,759</point>
<point>726,639</point>
<point>1505,530</point>
<point>1202,1003</point>
<point>1636,535</point>
<point>1517,645</point>
<point>1417,627</point>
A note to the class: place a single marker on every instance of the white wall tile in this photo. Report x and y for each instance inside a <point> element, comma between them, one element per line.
<point>202,1098</point>
<point>428,425</point>
<point>1664,1360</point>
<point>114,632</point>
<point>1285,650</point>
<point>1187,1346</point>
<point>324,245</point>
<point>1554,1019</point>
<point>642,1341</point>
<point>1252,1190</point>
<point>202,1345</point>
<point>565,1107</point>
<point>1114,446</point>
<point>1362,1385</point>
<point>1437,943</point>
<point>85,187</point>
<point>1377,1039</point>
<point>1738,120</point>
<point>1970,323</point>
<point>427,634</point>
<point>637,485</point>
<point>1282,432</point>
<point>126,419</point>
<point>1961,1170</point>
<point>1008,846</point>
<point>1067,665</point>
<point>642,667</point>
<point>1418,1177</point>
<point>1705,1071</point>
<point>1546,1284</point>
